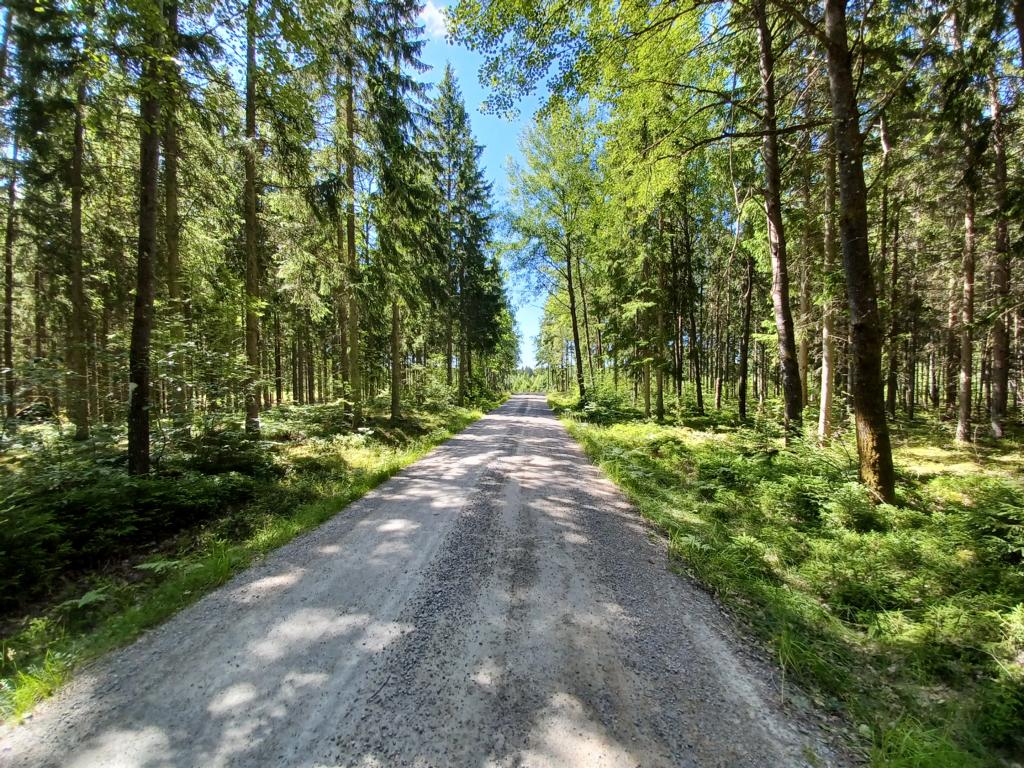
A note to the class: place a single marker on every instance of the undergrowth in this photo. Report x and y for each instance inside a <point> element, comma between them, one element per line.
<point>908,619</point>
<point>90,557</point>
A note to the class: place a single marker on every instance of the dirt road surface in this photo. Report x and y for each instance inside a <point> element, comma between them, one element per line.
<point>498,603</point>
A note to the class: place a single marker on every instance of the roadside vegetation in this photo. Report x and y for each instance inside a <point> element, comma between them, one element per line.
<point>91,556</point>
<point>907,618</point>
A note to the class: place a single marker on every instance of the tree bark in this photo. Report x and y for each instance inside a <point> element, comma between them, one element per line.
<point>142,319</point>
<point>10,235</point>
<point>354,361</point>
<point>78,379</point>
<point>252,264</point>
<point>396,361</point>
<point>575,323</point>
<point>172,230</point>
<point>894,320</point>
<point>748,301</point>
<point>963,424</point>
<point>789,365</point>
<point>873,445</point>
<point>828,371</point>
<point>691,309</point>
<point>1001,268</point>
<point>278,378</point>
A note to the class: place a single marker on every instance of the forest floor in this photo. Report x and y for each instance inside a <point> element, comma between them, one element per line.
<point>499,602</point>
<point>90,557</point>
<point>908,619</point>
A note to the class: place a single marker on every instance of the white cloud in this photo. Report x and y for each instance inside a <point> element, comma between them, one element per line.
<point>434,21</point>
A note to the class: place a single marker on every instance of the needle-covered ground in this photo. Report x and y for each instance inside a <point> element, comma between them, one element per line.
<point>90,557</point>
<point>909,618</point>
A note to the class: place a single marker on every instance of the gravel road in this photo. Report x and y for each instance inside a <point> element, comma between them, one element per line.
<point>498,603</point>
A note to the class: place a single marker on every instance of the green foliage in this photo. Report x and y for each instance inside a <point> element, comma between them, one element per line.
<point>183,533</point>
<point>910,619</point>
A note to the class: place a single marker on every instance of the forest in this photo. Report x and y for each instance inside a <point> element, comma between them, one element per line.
<point>776,242</point>
<point>253,266</point>
<point>249,272</point>
<point>779,245</point>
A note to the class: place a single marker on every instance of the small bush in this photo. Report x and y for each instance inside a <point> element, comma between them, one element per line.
<point>221,451</point>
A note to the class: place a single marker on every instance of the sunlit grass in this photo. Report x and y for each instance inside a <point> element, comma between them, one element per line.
<point>324,474</point>
<point>908,619</point>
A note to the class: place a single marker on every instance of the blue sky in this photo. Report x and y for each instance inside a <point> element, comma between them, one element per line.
<point>499,137</point>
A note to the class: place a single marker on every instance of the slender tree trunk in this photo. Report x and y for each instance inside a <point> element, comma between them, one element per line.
<point>172,230</point>
<point>586,317</point>
<point>278,378</point>
<point>894,320</point>
<point>252,263</point>
<point>963,424</point>
<point>309,363</point>
<point>691,310</point>
<point>748,301</point>
<point>354,357</point>
<point>1001,267</point>
<point>828,369</point>
<point>78,379</point>
<point>142,319</point>
<point>396,361</point>
<point>10,235</point>
<point>789,366</point>
<point>575,322</point>
<point>873,446</point>
<point>952,347</point>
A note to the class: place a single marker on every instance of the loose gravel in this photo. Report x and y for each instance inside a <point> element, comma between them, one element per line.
<point>498,603</point>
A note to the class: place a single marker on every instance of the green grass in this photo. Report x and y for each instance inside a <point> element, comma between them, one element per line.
<point>324,467</point>
<point>907,619</point>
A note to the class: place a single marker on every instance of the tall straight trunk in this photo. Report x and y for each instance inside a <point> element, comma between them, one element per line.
<point>10,235</point>
<point>449,352</point>
<point>933,378</point>
<point>884,250</point>
<point>1001,269</point>
<point>460,292</point>
<point>659,398</point>
<point>142,319</point>
<point>691,309</point>
<point>172,229</point>
<point>804,350</point>
<point>894,319</point>
<point>828,368</point>
<point>252,263</point>
<point>963,424</point>
<point>575,322</point>
<point>789,367</point>
<point>106,380</point>
<point>806,326</point>
<point>354,361</point>
<point>278,379</point>
<point>340,141</point>
<point>952,347</point>
<point>396,361</point>
<point>78,379</point>
<point>744,372</point>
<point>310,365</point>
<point>298,377</point>
<point>873,445</point>
<point>586,316</point>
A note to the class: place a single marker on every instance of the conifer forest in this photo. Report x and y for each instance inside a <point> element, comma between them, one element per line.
<point>255,263</point>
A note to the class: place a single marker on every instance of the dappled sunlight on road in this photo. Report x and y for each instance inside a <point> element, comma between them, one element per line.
<point>497,603</point>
